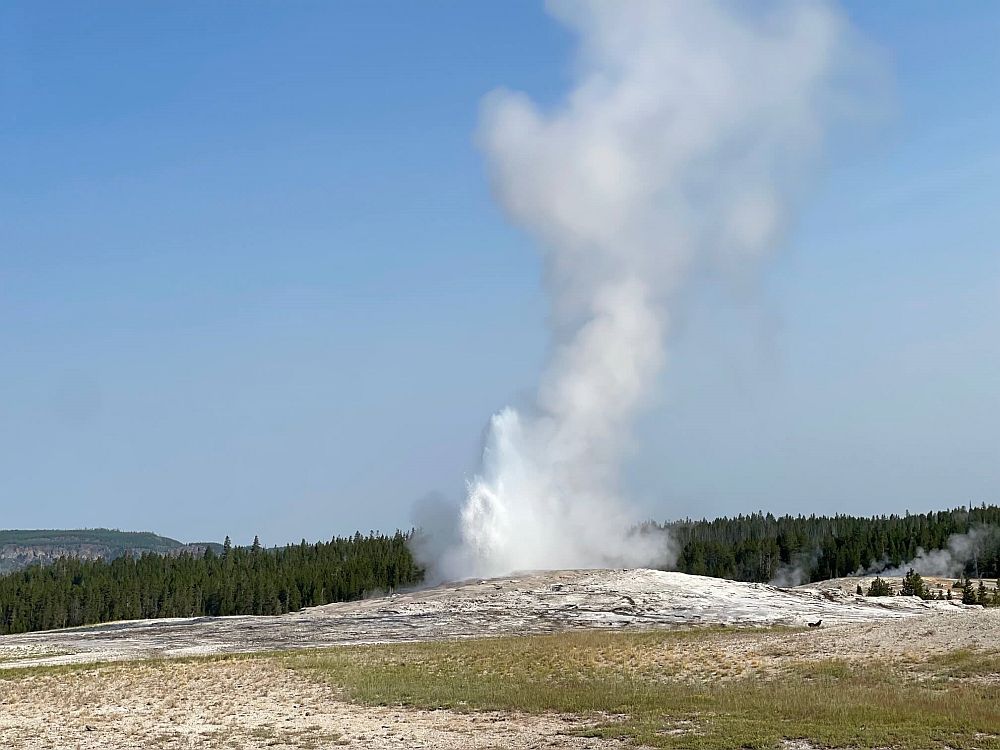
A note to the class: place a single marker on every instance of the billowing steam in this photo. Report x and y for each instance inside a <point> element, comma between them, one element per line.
<point>681,143</point>
<point>948,562</point>
<point>796,572</point>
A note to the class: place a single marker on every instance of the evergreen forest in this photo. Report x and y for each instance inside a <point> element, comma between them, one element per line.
<point>238,581</point>
<point>761,547</point>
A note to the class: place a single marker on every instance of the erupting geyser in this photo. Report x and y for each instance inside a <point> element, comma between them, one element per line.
<point>680,144</point>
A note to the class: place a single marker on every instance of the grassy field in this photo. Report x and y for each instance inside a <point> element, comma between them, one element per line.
<point>653,689</point>
<point>696,688</point>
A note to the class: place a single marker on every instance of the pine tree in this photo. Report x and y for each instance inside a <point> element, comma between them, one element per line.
<point>968,592</point>
<point>879,588</point>
<point>982,597</point>
<point>913,585</point>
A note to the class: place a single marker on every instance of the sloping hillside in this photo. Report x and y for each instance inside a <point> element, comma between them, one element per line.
<point>20,548</point>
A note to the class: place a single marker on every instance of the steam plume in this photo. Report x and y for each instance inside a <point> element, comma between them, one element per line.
<point>686,132</point>
<point>949,561</point>
<point>797,571</point>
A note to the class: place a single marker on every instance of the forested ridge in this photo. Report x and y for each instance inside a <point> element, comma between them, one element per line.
<point>113,538</point>
<point>20,548</point>
<point>762,547</point>
<point>240,580</point>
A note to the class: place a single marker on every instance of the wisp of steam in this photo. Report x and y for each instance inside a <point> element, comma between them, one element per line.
<point>685,135</point>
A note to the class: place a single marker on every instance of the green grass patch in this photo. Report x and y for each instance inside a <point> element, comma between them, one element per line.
<point>662,688</point>
<point>14,672</point>
<point>642,681</point>
<point>964,662</point>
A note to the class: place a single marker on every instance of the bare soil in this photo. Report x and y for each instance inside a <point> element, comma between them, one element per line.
<point>251,703</point>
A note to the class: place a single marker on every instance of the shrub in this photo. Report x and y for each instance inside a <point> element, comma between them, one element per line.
<point>879,588</point>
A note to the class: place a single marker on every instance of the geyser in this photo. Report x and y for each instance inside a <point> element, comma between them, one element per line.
<point>685,135</point>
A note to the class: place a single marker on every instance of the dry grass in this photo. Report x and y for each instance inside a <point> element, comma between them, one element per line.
<point>965,664</point>
<point>235,702</point>
<point>658,694</point>
<point>697,688</point>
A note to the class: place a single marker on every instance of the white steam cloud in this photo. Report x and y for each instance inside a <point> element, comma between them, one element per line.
<point>797,571</point>
<point>681,143</point>
<point>947,562</point>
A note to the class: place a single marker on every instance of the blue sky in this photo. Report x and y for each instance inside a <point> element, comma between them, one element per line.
<point>252,279</point>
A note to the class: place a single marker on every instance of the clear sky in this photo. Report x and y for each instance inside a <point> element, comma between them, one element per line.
<point>252,279</point>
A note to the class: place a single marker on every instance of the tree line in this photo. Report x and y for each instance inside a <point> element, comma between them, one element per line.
<point>256,581</point>
<point>238,581</point>
<point>760,547</point>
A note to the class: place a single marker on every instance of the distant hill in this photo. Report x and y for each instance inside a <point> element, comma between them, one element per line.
<point>20,548</point>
